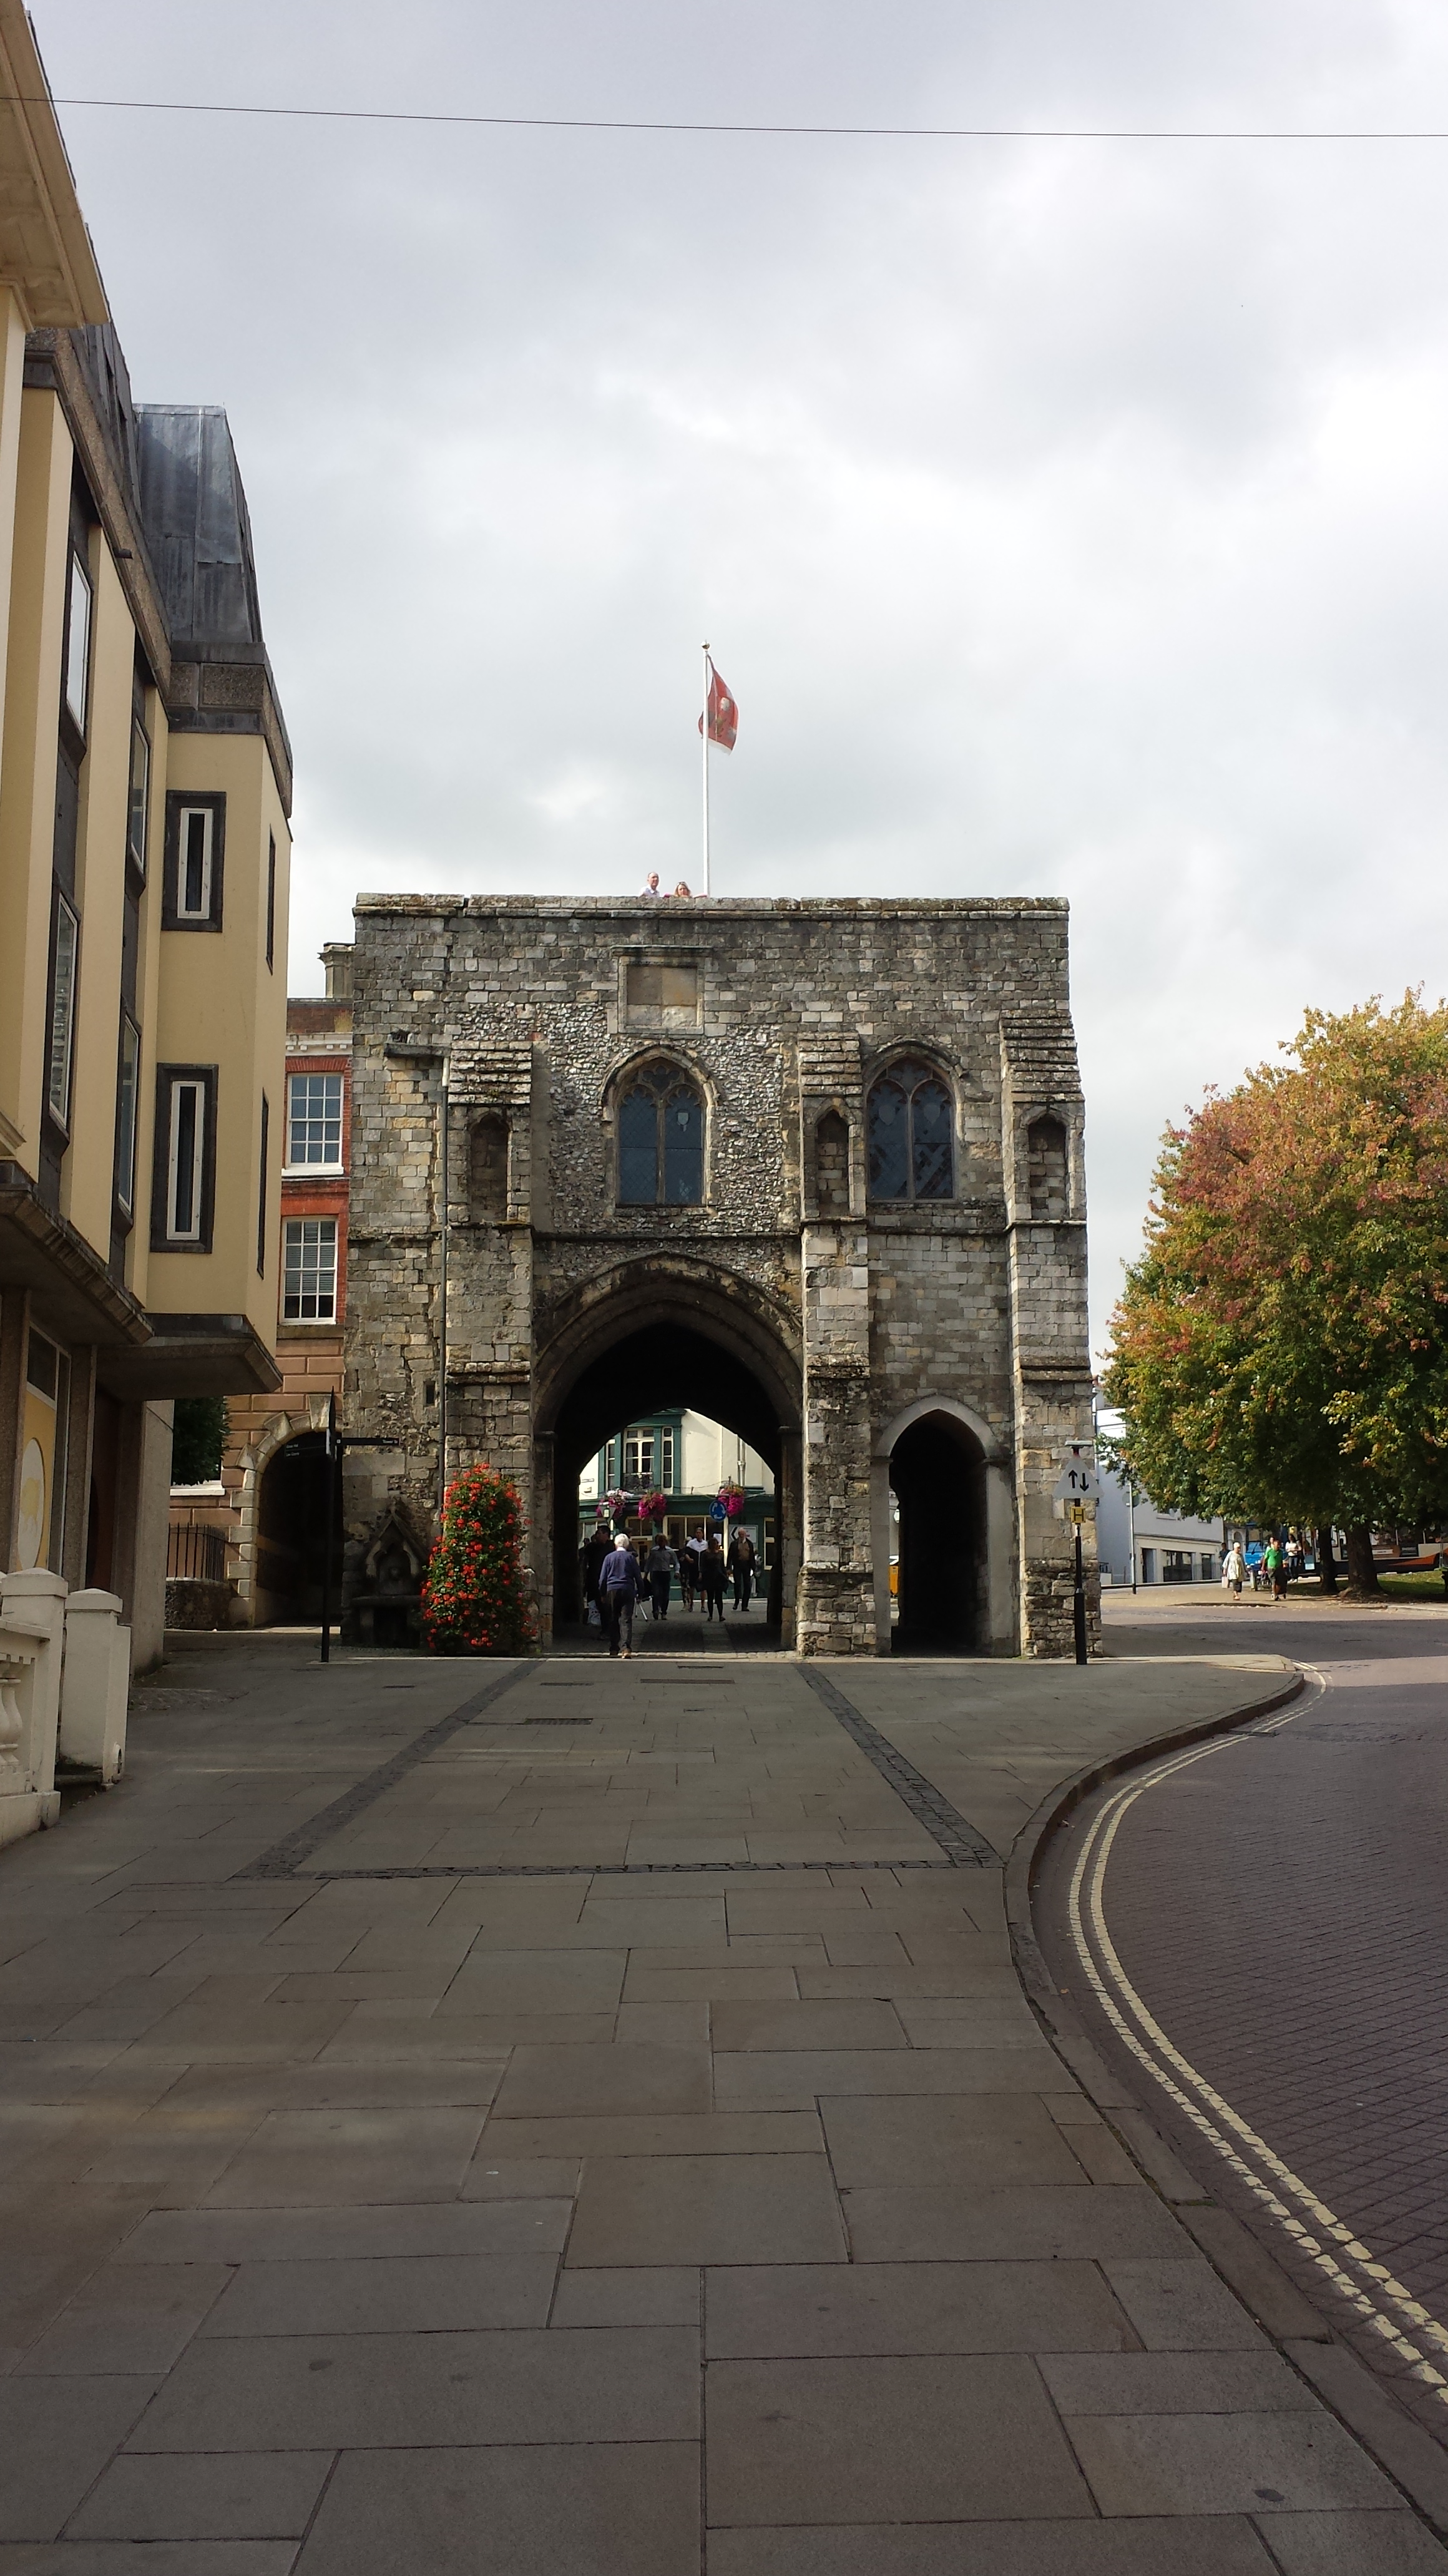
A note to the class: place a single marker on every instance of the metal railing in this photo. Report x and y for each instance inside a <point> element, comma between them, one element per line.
<point>198,1553</point>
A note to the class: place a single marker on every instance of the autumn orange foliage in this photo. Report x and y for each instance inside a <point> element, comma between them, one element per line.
<point>1279,1352</point>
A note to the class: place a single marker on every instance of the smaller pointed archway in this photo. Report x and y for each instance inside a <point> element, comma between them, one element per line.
<point>943,1525</point>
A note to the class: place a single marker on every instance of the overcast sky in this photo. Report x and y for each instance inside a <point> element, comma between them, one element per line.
<point>1066,517</point>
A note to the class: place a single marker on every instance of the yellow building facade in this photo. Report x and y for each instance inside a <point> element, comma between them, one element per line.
<point>145,791</point>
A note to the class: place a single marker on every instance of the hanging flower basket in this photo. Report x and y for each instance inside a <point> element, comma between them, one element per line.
<point>732,1498</point>
<point>653,1506</point>
<point>618,1505</point>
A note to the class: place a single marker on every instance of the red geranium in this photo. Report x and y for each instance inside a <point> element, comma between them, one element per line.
<point>473,1601</point>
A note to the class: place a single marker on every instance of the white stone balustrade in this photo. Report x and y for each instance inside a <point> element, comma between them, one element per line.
<point>32,1619</point>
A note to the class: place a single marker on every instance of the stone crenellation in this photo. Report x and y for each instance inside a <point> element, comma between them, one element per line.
<point>932,1347</point>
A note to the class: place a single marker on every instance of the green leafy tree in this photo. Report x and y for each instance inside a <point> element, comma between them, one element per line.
<point>198,1439</point>
<point>473,1601</point>
<point>1279,1352</point>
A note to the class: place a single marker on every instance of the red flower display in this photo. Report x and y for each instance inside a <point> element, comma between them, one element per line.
<point>472,1594</point>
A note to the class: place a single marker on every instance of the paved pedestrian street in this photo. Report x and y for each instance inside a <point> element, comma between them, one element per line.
<point>585,2117</point>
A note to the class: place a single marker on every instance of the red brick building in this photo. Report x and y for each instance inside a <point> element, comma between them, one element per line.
<point>271,1502</point>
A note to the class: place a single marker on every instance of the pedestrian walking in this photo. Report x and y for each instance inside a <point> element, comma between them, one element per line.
<point>740,1563</point>
<point>1274,1568</point>
<point>660,1565</point>
<point>711,1580</point>
<point>650,885</point>
<point>1234,1570</point>
<point>618,1590</point>
<point>693,1556</point>
<point>590,1567</point>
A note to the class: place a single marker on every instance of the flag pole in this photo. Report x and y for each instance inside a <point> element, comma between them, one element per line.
<point>704,729</point>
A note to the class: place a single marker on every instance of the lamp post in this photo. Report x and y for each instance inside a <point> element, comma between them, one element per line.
<point>409,1054</point>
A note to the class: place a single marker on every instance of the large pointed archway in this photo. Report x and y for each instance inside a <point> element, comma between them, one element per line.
<point>650,1336</point>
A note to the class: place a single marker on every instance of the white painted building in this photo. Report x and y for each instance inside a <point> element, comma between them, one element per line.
<point>1137,1542</point>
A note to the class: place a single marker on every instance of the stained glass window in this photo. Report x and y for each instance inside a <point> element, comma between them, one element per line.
<point>661,1140</point>
<point>911,1128</point>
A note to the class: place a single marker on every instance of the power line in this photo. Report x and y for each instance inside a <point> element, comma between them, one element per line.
<point>848,133</point>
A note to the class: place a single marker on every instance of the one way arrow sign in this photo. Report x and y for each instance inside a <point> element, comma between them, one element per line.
<point>1078,1481</point>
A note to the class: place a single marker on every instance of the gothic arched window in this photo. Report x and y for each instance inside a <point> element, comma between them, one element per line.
<point>661,1140</point>
<point>911,1135</point>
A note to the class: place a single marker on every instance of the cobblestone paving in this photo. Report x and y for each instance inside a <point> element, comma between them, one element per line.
<point>1282,1909</point>
<point>582,2221</point>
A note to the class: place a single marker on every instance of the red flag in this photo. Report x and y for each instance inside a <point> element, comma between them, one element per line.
<point>723,714</point>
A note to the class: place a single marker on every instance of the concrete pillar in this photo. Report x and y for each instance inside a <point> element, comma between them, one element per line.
<point>14,1327</point>
<point>78,1429</point>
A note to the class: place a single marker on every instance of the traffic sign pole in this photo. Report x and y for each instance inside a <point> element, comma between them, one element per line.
<point>1078,1606</point>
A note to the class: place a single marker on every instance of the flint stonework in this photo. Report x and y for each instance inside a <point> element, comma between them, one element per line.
<point>822,1324</point>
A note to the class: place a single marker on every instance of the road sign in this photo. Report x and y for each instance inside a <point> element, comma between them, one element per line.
<point>1078,1481</point>
<point>1080,1513</point>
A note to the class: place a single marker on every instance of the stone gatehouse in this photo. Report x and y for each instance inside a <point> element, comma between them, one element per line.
<point>812,1168</point>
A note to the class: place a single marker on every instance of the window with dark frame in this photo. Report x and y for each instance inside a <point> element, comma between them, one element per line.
<point>911,1131</point>
<point>60,1052</point>
<point>127,1088</point>
<point>140,796</point>
<point>661,1140</point>
<point>261,1189</point>
<point>195,844</point>
<point>184,1182</point>
<point>77,644</point>
<point>184,1169</point>
<point>193,864</point>
<point>309,1270</point>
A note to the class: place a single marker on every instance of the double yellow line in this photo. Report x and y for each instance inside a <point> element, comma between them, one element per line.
<point>1367,2285</point>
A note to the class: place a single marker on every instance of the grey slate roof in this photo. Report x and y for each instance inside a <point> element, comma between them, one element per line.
<point>197,529</point>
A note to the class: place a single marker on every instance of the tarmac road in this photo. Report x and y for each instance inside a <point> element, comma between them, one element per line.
<point>1259,1942</point>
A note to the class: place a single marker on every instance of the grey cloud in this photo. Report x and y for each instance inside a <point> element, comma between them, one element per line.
<point>1068,518</point>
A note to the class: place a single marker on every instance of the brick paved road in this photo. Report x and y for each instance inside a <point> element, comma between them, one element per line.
<point>1282,1909</point>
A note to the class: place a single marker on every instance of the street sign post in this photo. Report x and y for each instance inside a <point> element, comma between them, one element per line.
<point>1077,1491</point>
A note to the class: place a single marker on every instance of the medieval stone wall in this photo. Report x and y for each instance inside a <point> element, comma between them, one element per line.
<point>782,1014</point>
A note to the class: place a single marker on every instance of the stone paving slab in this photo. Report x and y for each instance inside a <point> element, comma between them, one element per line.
<point>405,2113</point>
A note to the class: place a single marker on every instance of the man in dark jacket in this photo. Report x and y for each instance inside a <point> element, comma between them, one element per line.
<point>618,1589</point>
<point>741,1565</point>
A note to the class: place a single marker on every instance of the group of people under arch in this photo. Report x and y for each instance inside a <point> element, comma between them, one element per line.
<point>620,1575</point>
